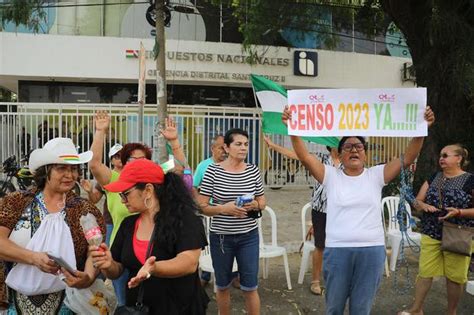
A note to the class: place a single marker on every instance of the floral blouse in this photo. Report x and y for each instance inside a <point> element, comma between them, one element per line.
<point>445,192</point>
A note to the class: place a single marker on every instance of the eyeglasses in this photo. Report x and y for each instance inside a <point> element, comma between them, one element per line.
<point>349,146</point>
<point>445,155</point>
<point>124,194</point>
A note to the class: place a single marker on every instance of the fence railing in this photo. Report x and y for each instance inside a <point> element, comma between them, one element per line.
<point>27,126</point>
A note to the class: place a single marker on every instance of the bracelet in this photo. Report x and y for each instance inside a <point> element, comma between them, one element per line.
<point>458,214</point>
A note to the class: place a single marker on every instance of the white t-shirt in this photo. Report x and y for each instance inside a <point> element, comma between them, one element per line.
<point>354,217</point>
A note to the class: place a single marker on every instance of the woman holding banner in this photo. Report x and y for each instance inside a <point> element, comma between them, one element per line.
<point>355,253</point>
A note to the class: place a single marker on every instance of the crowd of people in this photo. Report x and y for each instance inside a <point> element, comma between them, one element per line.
<point>154,233</point>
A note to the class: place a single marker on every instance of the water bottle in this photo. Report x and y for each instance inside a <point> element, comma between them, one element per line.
<point>188,179</point>
<point>241,200</point>
<point>91,229</point>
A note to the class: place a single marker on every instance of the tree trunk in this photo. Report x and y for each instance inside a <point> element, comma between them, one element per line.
<point>440,41</point>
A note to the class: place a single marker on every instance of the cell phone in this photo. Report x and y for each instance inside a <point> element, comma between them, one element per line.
<point>62,263</point>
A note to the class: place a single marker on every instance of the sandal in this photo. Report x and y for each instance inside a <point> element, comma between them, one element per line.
<point>316,288</point>
<point>409,313</point>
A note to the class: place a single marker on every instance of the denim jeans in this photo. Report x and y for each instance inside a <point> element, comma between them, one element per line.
<point>206,276</point>
<point>245,249</point>
<point>120,286</point>
<point>352,273</point>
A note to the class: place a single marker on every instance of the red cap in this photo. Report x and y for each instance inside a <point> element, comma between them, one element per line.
<point>137,171</point>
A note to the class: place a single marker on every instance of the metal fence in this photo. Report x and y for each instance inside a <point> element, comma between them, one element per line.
<point>27,126</point>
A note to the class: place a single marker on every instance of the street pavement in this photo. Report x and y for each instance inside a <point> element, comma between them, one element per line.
<point>277,299</point>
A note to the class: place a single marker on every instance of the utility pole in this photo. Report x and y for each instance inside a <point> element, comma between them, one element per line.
<point>160,153</point>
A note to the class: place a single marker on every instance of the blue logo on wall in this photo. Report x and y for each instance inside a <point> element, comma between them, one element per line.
<point>305,63</point>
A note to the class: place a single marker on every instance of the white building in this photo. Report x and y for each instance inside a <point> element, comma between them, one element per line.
<point>88,54</point>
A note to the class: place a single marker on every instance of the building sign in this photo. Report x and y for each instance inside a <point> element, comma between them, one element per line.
<point>305,63</point>
<point>209,57</point>
<point>184,74</point>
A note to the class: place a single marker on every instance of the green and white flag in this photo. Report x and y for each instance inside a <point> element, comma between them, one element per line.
<point>273,99</point>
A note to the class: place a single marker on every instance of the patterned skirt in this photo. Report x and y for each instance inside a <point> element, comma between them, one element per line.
<point>51,304</point>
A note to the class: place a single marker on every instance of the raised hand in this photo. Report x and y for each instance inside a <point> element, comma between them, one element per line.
<point>170,132</point>
<point>144,273</point>
<point>87,185</point>
<point>286,115</point>
<point>429,116</point>
<point>102,120</point>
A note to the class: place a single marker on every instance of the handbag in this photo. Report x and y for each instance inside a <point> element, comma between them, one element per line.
<point>456,238</point>
<point>139,308</point>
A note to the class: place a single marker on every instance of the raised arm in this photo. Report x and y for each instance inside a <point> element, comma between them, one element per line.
<point>100,171</point>
<point>393,168</point>
<point>312,164</point>
<point>282,150</point>
<point>171,135</point>
<point>93,193</point>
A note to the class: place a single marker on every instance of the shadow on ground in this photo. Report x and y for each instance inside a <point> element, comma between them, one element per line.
<point>277,299</point>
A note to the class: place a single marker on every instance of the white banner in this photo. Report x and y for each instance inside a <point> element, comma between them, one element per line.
<point>358,112</point>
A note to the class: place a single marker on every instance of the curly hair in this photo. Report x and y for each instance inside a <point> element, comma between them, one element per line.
<point>132,146</point>
<point>175,200</point>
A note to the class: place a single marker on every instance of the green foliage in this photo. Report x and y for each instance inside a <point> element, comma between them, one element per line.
<point>28,12</point>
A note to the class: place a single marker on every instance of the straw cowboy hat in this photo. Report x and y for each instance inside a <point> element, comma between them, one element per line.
<point>58,151</point>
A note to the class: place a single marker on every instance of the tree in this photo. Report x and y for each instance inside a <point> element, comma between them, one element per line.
<point>440,38</point>
<point>26,12</point>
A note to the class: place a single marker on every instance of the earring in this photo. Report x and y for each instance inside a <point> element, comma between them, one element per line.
<point>146,202</point>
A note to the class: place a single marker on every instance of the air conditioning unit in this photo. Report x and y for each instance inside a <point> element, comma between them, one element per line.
<point>408,72</point>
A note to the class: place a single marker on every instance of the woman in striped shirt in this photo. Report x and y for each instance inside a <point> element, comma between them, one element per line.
<point>233,230</point>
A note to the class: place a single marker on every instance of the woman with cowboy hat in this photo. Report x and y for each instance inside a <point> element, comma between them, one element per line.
<point>42,221</point>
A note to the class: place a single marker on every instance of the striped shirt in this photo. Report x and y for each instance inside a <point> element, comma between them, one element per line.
<point>223,186</point>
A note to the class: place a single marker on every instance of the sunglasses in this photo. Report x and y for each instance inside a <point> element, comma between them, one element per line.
<point>445,155</point>
<point>347,147</point>
<point>124,194</point>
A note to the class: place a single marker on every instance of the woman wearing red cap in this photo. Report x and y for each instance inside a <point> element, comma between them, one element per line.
<point>167,217</point>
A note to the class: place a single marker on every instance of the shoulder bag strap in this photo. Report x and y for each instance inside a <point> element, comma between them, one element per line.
<point>141,290</point>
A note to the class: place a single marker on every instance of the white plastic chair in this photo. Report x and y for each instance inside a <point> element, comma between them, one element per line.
<point>205,261</point>
<point>470,287</point>
<point>272,250</point>
<point>394,236</point>
<point>308,246</point>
